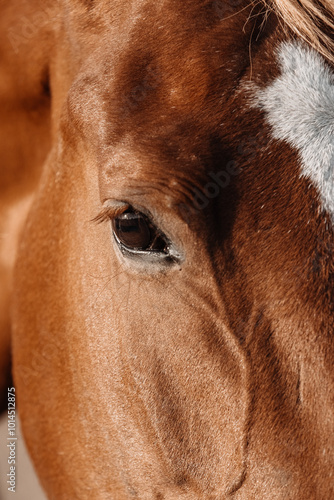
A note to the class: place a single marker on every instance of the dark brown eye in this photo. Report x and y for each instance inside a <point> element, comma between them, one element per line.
<point>134,231</point>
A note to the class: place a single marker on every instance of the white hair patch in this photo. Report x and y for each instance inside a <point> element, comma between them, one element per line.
<point>300,109</point>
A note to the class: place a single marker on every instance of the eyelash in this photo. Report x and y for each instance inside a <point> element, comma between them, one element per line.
<point>108,214</point>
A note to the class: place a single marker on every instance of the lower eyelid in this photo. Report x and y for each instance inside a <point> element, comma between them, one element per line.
<point>138,251</point>
<point>148,256</point>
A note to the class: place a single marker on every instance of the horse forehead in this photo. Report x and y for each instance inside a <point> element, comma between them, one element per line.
<point>299,106</point>
<point>177,62</point>
<point>176,80</point>
<point>180,53</point>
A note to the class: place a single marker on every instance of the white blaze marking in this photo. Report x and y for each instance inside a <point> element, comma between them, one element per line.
<point>300,109</point>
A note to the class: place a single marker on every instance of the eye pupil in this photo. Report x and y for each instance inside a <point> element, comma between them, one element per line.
<point>135,231</point>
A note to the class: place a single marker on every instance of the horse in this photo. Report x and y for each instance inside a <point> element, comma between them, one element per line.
<point>167,245</point>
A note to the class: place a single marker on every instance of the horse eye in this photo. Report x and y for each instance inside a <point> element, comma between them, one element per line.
<point>134,231</point>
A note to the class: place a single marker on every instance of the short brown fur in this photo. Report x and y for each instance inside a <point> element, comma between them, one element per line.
<point>212,378</point>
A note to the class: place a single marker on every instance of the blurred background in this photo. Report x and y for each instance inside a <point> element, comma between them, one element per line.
<point>27,485</point>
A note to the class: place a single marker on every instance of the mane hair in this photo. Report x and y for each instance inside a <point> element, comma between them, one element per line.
<point>312,20</point>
